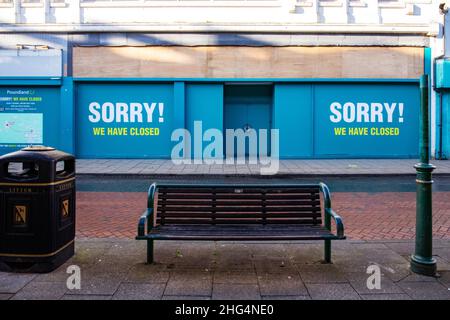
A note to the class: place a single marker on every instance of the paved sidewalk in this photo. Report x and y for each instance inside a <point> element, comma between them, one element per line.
<point>286,167</point>
<point>115,269</point>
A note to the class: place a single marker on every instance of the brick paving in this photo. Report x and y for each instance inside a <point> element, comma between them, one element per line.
<point>290,167</point>
<point>367,216</point>
<point>115,269</point>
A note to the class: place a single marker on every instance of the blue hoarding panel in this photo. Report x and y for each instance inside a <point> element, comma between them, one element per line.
<point>445,125</point>
<point>442,73</point>
<point>293,116</point>
<point>124,120</point>
<point>29,115</point>
<point>365,120</point>
<point>67,116</point>
<point>204,102</point>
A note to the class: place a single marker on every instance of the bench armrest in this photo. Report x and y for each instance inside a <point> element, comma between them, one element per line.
<point>330,213</point>
<point>147,217</point>
<point>338,220</point>
<point>143,220</point>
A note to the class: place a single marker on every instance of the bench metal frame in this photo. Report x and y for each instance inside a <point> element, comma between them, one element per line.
<point>145,224</point>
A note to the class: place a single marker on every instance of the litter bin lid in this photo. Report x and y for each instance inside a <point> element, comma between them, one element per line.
<point>38,148</point>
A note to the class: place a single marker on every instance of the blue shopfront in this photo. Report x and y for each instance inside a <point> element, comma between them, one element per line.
<point>135,118</point>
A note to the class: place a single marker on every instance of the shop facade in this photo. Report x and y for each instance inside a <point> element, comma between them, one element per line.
<point>330,89</point>
<point>127,116</point>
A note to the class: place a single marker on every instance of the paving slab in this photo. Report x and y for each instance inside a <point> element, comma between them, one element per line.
<point>443,253</point>
<point>385,296</point>
<point>97,286</point>
<point>321,273</point>
<point>310,254</point>
<point>222,291</point>
<point>445,278</point>
<point>332,291</point>
<point>13,282</point>
<point>286,298</point>
<point>397,272</point>
<point>139,291</point>
<point>426,290</point>
<point>359,282</point>
<point>413,277</point>
<point>142,273</point>
<point>189,283</point>
<point>41,291</point>
<point>58,275</point>
<point>247,276</point>
<point>264,265</point>
<point>281,285</point>
<point>85,297</point>
<point>167,297</point>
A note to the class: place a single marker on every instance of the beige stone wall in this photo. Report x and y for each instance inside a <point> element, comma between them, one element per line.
<point>248,62</point>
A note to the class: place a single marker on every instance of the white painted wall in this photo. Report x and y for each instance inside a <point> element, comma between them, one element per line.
<point>414,16</point>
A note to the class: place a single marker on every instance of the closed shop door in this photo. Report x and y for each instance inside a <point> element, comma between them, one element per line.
<point>248,107</point>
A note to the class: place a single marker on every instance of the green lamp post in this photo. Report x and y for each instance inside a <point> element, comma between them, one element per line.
<point>422,260</point>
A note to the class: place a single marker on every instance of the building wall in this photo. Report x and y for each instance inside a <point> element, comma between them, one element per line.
<point>244,15</point>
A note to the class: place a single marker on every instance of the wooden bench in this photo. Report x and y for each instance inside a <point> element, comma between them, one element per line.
<point>243,212</point>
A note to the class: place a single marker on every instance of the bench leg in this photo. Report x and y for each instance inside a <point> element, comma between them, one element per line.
<point>149,251</point>
<point>327,251</point>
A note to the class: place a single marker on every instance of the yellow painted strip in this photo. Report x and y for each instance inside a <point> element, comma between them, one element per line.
<point>12,184</point>
<point>25,255</point>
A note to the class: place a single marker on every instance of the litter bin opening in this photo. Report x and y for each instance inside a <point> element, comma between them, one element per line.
<point>64,168</point>
<point>22,170</point>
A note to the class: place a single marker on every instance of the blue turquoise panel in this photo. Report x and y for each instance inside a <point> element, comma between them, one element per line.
<point>29,115</point>
<point>445,125</point>
<point>293,116</point>
<point>124,120</point>
<point>442,73</point>
<point>366,120</point>
<point>204,102</point>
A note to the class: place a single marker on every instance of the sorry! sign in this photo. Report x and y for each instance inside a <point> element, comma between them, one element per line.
<point>366,112</point>
<point>367,120</point>
<point>362,112</point>
<point>124,120</point>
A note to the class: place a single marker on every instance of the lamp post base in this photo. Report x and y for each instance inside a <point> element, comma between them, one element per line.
<point>426,267</point>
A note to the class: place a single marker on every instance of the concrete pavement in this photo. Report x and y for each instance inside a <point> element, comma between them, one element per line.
<point>286,167</point>
<point>115,269</point>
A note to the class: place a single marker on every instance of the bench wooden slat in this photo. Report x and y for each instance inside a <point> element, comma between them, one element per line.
<point>193,221</point>
<point>242,196</point>
<point>175,214</point>
<point>236,190</point>
<point>243,202</point>
<point>196,208</point>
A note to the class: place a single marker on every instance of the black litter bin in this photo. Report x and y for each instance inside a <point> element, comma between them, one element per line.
<point>37,209</point>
